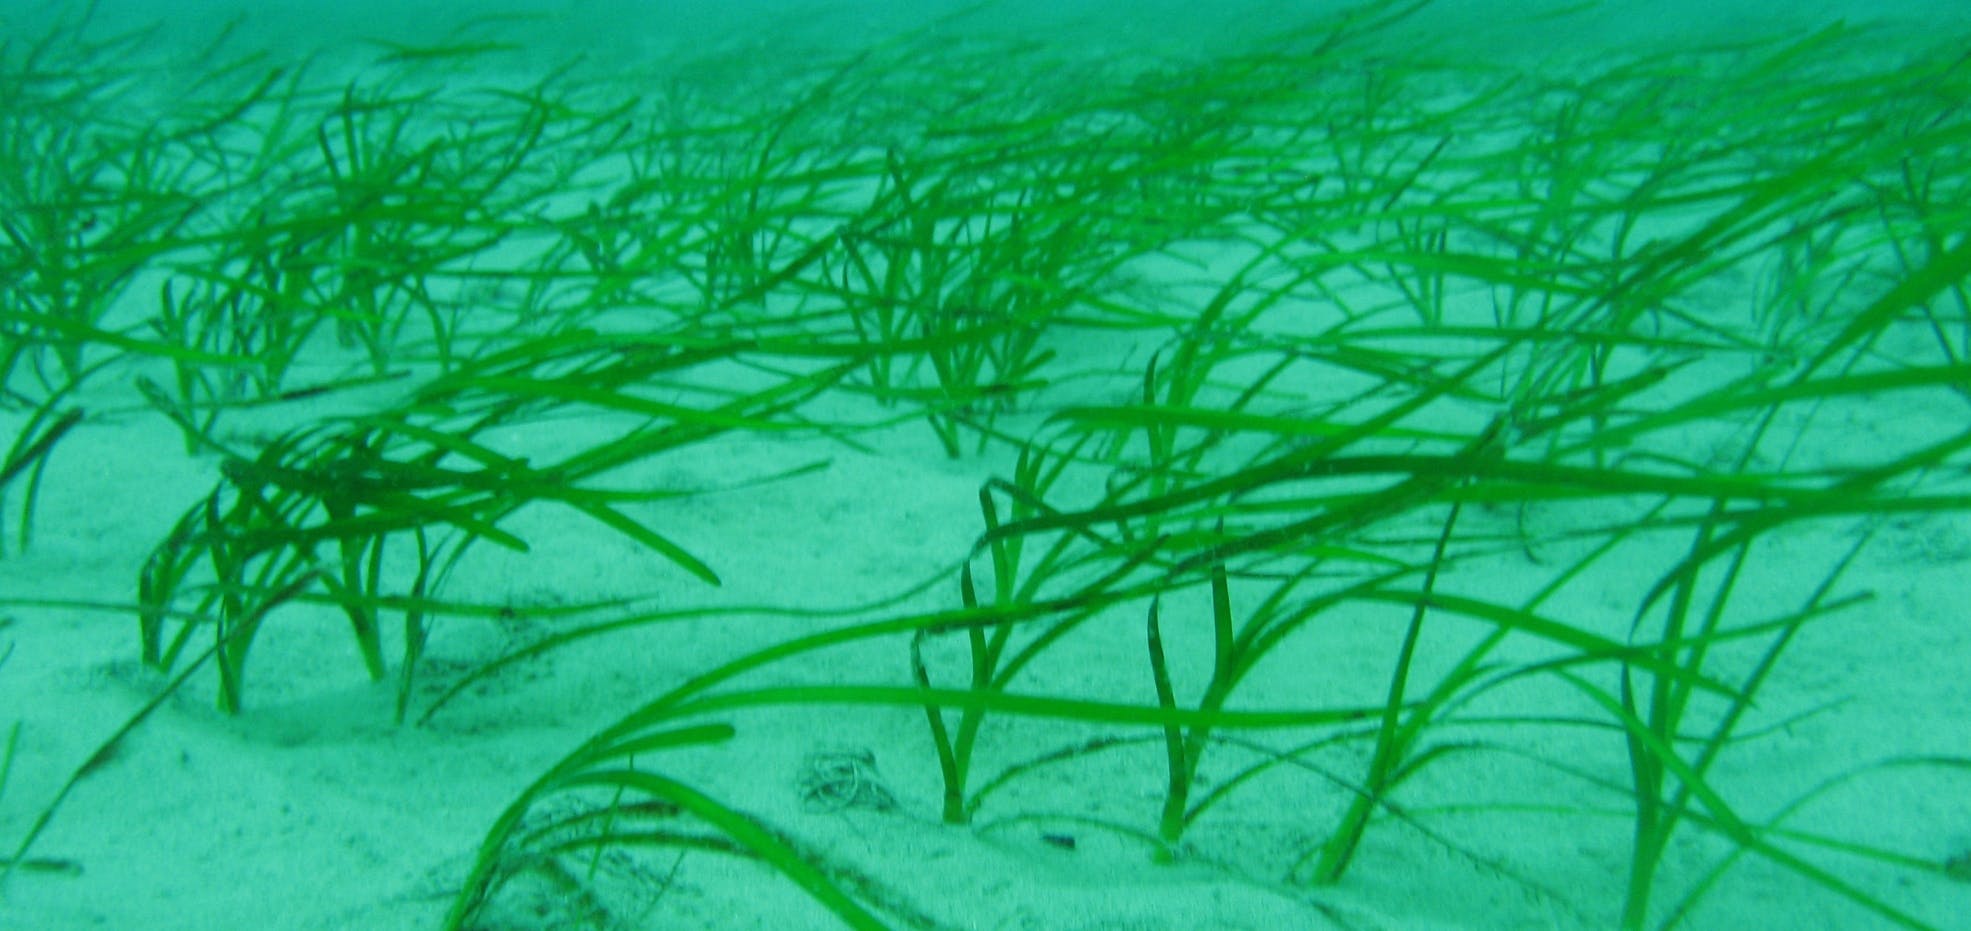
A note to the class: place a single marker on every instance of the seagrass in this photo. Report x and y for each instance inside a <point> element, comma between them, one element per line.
<point>1374,325</point>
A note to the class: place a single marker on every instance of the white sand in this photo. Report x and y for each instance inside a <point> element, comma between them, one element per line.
<point>313,811</point>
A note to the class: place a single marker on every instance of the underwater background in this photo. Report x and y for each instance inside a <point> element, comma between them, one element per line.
<point>1005,465</point>
<point>633,25</point>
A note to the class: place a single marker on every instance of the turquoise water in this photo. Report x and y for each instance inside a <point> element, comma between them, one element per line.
<point>1006,466</point>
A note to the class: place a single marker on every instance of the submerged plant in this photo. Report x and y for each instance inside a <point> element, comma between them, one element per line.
<point>1498,338</point>
<point>319,504</point>
<point>1370,419</point>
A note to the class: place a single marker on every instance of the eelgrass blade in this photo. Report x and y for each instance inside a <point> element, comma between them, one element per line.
<point>1724,817</point>
<point>110,744</point>
<point>1177,761</point>
<point>478,885</point>
<point>950,770</point>
<point>30,453</point>
<point>1678,914</point>
<point>1395,737</point>
<point>744,831</point>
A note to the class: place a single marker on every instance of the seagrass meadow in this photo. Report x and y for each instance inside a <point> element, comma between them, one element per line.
<point>1328,473</point>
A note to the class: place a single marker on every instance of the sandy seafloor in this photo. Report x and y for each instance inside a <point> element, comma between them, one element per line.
<point>312,810</point>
